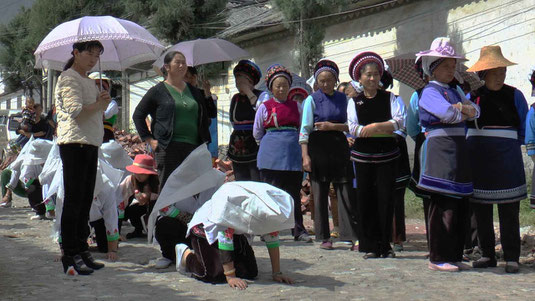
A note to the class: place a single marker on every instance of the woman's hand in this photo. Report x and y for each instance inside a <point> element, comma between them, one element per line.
<point>368,131</point>
<point>237,283</point>
<point>103,100</point>
<point>153,144</point>
<point>279,277</point>
<point>307,165</point>
<point>350,141</point>
<point>142,198</point>
<point>324,126</point>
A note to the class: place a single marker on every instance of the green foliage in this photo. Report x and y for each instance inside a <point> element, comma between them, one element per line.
<point>176,20</point>
<point>310,33</point>
<point>169,20</point>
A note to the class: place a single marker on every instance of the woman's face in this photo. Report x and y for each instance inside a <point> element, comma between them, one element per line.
<point>350,91</point>
<point>370,77</point>
<point>177,67</point>
<point>326,82</point>
<point>87,59</point>
<point>445,71</point>
<point>243,80</point>
<point>280,88</point>
<point>495,78</point>
<point>141,177</point>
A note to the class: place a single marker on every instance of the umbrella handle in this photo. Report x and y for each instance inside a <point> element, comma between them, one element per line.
<point>100,74</point>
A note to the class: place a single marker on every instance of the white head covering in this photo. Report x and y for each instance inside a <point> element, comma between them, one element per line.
<point>115,155</point>
<point>441,48</point>
<point>38,152</point>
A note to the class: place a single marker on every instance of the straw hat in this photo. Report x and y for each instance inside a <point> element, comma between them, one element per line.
<point>490,57</point>
<point>143,164</point>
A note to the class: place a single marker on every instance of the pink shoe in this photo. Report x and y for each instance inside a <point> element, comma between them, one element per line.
<point>443,267</point>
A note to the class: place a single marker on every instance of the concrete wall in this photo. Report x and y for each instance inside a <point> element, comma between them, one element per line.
<point>408,29</point>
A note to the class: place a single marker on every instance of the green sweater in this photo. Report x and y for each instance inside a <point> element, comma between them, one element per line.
<point>185,127</point>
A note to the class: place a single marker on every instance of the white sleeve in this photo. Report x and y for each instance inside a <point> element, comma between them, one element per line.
<point>352,119</point>
<point>399,112</point>
<point>111,110</point>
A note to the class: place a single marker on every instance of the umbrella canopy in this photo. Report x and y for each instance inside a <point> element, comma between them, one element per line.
<point>204,51</point>
<point>125,43</point>
<point>402,69</point>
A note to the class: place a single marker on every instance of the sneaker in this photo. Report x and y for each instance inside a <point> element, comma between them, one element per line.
<point>370,255</point>
<point>326,245</point>
<point>484,262</point>
<point>511,267</point>
<point>162,263</point>
<point>7,204</point>
<point>443,267</point>
<point>462,266</point>
<point>389,254</point>
<point>398,247</point>
<point>304,237</point>
<point>180,249</point>
<point>38,217</point>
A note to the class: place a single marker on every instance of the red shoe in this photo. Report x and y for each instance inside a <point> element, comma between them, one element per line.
<point>326,245</point>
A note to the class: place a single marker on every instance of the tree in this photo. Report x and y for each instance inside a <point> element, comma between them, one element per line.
<point>298,16</point>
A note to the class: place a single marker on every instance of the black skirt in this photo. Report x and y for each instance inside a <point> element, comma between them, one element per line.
<point>404,169</point>
<point>329,156</point>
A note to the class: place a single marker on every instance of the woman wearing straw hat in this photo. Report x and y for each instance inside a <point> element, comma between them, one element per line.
<point>243,149</point>
<point>279,156</point>
<point>444,158</point>
<point>110,114</point>
<point>494,141</point>
<point>373,117</point>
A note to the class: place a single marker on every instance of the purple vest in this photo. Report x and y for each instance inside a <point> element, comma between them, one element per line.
<point>331,108</point>
<point>430,121</point>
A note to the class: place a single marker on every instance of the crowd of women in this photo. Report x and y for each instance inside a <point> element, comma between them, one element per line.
<point>467,158</point>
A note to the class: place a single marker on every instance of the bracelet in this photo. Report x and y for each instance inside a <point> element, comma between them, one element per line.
<point>228,273</point>
<point>276,274</point>
<point>461,107</point>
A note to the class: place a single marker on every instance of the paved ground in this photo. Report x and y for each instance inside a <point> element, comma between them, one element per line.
<point>29,271</point>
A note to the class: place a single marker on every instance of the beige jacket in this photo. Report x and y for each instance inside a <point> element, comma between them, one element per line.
<point>74,126</point>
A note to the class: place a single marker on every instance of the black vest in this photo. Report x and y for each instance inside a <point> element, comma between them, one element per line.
<point>497,108</point>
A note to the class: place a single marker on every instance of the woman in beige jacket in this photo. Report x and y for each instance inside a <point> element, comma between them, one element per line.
<point>79,106</point>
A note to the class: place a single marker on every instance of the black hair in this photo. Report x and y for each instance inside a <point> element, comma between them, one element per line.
<point>83,46</point>
<point>167,60</point>
<point>387,80</point>
<point>532,79</point>
<point>342,85</point>
<point>192,70</point>
<point>363,68</point>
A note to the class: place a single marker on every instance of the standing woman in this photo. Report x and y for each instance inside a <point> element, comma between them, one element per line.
<point>180,117</point>
<point>243,149</point>
<point>445,167</point>
<point>373,116</point>
<point>180,122</point>
<point>79,106</point>
<point>325,153</point>
<point>276,127</point>
<point>494,141</point>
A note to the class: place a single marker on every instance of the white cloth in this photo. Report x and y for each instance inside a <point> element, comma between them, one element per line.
<point>194,176</point>
<point>29,172</point>
<point>74,126</point>
<point>115,155</point>
<point>52,165</point>
<point>248,207</point>
<point>397,109</point>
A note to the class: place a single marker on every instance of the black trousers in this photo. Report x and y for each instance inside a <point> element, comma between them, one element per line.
<point>347,215</point>
<point>447,228</point>
<point>79,174</point>
<point>206,263</point>
<point>375,205</point>
<point>509,229</point>
<point>399,233</point>
<point>169,232</point>
<point>246,171</point>
<point>35,197</point>
<point>167,160</point>
<point>471,240</point>
<point>289,181</point>
<point>135,213</point>
<point>100,235</point>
